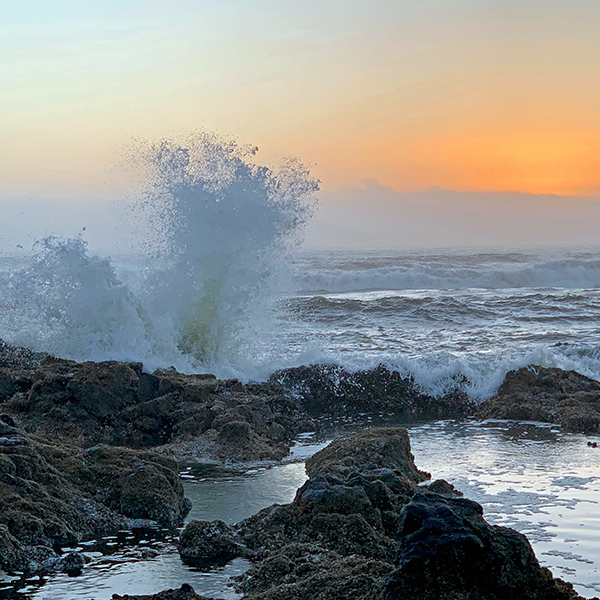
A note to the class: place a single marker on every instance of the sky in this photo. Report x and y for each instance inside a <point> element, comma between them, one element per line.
<point>497,102</point>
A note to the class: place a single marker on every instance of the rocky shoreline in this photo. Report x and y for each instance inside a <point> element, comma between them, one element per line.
<point>87,449</point>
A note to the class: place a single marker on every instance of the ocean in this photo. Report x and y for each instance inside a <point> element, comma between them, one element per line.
<point>454,317</point>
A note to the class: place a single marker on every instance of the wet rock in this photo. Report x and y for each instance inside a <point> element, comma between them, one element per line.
<point>369,530</point>
<point>376,447</point>
<point>447,550</point>
<point>351,502</point>
<point>12,555</point>
<point>303,571</point>
<point>331,390</point>
<point>54,495</point>
<point>185,592</point>
<point>209,542</point>
<point>442,487</point>
<point>71,563</point>
<point>118,404</point>
<point>549,395</point>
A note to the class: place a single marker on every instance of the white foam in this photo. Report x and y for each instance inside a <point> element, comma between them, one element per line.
<point>566,273</point>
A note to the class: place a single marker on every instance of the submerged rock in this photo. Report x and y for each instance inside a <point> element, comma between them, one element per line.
<point>185,592</point>
<point>549,395</point>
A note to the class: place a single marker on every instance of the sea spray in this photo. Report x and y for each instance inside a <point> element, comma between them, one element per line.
<point>221,226</point>
<point>227,224</point>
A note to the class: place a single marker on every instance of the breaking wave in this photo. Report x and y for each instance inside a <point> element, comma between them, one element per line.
<point>222,226</point>
<point>567,273</point>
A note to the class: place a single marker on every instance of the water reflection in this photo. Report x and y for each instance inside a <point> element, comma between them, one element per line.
<point>528,476</point>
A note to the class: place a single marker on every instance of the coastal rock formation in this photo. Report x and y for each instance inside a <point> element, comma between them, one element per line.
<point>447,550</point>
<point>191,417</point>
<point>372,530</point>
<point>366,525</point>
<point>549,395</point>
<point>377,448</point>
<point>332,390</point>
<point>52,495</point>
<point>197,418</point>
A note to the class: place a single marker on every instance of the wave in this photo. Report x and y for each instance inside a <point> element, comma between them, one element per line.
<point>567,273</point>
<point>222,227</point>
<point>479,374</point>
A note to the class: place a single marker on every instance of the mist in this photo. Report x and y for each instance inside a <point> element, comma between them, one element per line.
<point>371,215</point>
<point>366,216</point>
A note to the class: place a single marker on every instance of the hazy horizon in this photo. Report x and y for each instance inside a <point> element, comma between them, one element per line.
<point>369,216</point>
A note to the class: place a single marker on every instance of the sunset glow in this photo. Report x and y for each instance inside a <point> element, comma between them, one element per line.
<point>461,94</point>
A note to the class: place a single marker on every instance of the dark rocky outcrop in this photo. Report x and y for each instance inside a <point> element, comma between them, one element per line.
<point>549,395</point>
<point>447,550</point>
<point>308,571</point>
<point>377,448</point>
<point>52,495</point>
<point>83,451</point>
<point>332,390</point>
<point>366,526</point>
<point>209,542</point>
<point>193,417</point>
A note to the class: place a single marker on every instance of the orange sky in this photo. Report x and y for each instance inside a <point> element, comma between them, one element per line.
<point>461,94</point>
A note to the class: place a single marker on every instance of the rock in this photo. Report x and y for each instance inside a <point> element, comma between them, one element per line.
<point>71,563</point>
<point>447,550</point>
<point>377,447</point>
<point>368,530</point>
<point>185,592</point>
<point>344,518</point>
<point>118,404</point>
<point>209,542</point>
<point>549,395</point>
<point>301,571</point>
<point>442,487</point>
<point>55,495</point>
<point>331,390</point>
<point>12,555</point>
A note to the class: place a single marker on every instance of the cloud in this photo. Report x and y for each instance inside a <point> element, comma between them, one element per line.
<point>372,215</point>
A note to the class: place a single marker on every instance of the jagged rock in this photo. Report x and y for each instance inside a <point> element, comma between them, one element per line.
<point>345,506</point>
<point>53,495</point>
<point>549,395</point>
<point>447,550</point>
<point>442,487</point>
<point>209,542</point>
<point>331,390</point>
<point>370,531</point>
<point>308,571</point>
<point>381,447</point>
<point>118,404</point>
